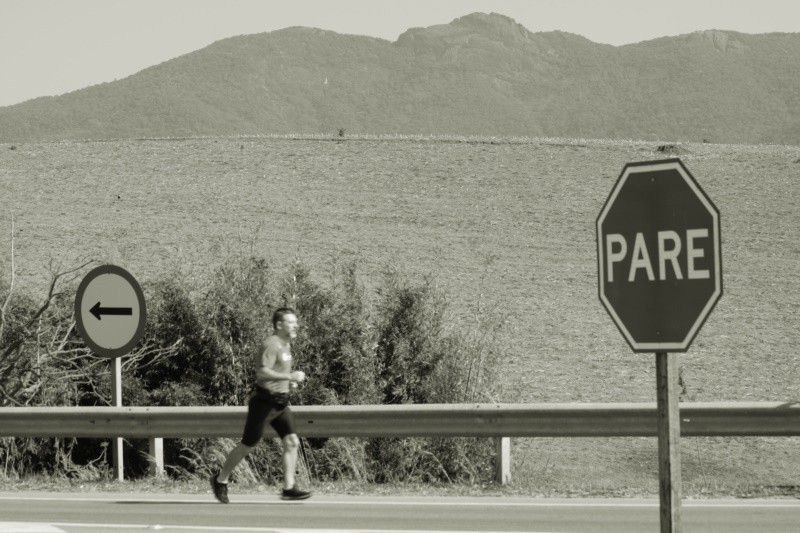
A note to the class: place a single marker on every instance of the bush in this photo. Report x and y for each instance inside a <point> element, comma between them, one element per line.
<point>198,350</point>
<point>424,359</point>
<point>43,363</point>
<point>335,348</point>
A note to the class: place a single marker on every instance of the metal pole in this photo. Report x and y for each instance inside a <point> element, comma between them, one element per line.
<point>669,432</point>
<point>116,399</point>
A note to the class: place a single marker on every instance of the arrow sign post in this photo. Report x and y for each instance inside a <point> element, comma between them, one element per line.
<point>660,276</point>
<point>116,335</point>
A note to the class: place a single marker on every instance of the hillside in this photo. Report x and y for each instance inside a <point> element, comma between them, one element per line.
<point>479,75</point>
<point>506,227</point>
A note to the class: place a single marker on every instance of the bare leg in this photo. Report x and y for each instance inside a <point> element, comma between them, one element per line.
<point>290,445</point>
<point>234,458</point>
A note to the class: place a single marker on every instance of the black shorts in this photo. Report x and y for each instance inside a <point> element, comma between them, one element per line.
<point>265,405</point>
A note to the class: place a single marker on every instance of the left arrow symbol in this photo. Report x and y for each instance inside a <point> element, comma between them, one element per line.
<point>98,311</point>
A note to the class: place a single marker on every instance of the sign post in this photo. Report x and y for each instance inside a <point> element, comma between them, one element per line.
<point>118,461</point>
<point>669,433</point>
<point>660,276</point>
<point>110,315</point>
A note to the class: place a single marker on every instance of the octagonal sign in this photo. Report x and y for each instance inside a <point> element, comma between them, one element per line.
<point>659,257</point>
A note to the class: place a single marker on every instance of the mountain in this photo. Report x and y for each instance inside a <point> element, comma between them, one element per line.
<point>482,74</point>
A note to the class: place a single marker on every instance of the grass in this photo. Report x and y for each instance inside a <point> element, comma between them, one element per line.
<point>507,224</point>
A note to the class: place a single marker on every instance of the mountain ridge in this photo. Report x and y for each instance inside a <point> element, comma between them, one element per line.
<point>481,74</point>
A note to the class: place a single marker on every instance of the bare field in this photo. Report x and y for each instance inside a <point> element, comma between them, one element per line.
<point>511,221</point>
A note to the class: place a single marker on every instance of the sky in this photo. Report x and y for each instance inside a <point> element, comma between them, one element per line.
<point>50,47</point>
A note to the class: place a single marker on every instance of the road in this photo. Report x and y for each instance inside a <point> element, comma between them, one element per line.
<point>92,513</point>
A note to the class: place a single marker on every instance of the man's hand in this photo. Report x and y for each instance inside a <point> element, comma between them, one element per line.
<point>298,376</point>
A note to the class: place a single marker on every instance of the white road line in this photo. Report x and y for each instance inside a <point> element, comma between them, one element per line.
<point>417,503</point>
<point>157,527</point>
<point>28,527</point>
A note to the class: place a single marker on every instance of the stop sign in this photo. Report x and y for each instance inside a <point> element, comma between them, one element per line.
<point>659,259</point>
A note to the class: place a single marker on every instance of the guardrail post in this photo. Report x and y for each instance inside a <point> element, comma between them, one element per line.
<point>502,457</point>
<point>156,457</point>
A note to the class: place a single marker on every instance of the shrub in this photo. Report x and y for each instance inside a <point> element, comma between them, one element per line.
<point>335,348</point>
<point>423,359</point>
<point>198,349</point>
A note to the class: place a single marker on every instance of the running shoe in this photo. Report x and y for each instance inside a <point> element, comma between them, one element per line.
<point>294,494</point>
<point>220,489</point>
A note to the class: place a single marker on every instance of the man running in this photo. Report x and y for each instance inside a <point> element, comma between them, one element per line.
<point>270,402</point>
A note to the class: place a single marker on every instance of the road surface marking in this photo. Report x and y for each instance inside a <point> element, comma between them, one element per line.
<point>157,527</point>
<point>28,527</point>
<point>415,503</point>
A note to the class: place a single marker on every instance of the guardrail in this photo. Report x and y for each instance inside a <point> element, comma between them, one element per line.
<point>498,421</point>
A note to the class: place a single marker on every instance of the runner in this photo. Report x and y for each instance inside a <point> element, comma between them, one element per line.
<point>270,403</point>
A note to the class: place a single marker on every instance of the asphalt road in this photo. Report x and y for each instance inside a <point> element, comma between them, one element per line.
<point>77,513</point>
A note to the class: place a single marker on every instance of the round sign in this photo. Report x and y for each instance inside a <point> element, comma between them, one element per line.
<point>110,311</point>
<point>659,259</point>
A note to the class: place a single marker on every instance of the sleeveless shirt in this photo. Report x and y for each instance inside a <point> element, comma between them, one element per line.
<point>283,364</point>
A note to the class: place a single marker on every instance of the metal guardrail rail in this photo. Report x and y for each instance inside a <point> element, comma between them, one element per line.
<point>434,420</point>
<point>498,421</point>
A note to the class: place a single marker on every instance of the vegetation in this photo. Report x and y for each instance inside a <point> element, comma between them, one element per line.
<point>505,223</point>
<point>198,350</point>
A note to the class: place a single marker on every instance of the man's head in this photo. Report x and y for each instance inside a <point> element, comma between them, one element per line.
<point>284,321</point>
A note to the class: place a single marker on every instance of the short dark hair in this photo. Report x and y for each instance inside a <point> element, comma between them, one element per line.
<point>281,312</point>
